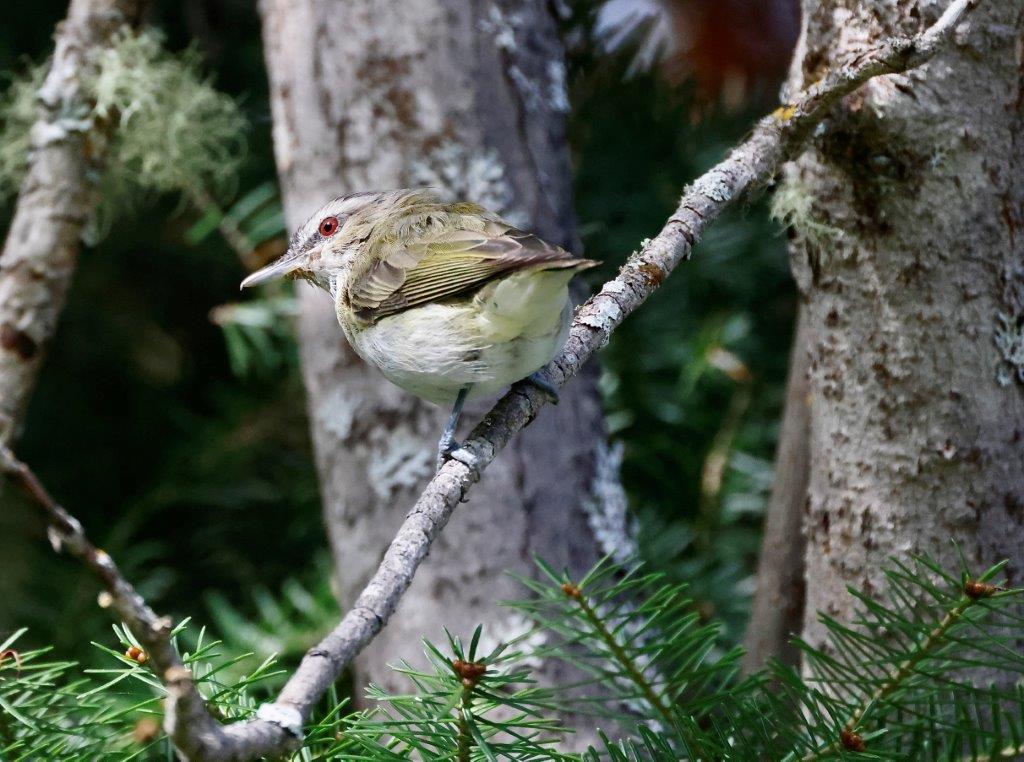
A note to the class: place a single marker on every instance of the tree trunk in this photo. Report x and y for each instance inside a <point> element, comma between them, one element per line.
<point>911,259</point>
<point>470,97</point>
<point>778,607</point>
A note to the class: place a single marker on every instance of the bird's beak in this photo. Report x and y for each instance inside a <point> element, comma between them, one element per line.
<point>284,266</point>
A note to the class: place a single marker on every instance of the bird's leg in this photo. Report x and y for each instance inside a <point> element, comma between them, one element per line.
<point>544,385</point>
<point>447,443</point>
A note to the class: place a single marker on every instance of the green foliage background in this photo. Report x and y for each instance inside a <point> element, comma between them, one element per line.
<point>201,482</point>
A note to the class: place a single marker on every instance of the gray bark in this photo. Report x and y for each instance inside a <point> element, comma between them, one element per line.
<point>911,261</point>
<point>468,96</point>
<point>56,200</point>
<point>777,610</point>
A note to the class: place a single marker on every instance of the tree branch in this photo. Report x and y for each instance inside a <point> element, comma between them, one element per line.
<point>186,709</point>
<point>56,200</point>
<point>278,726</point>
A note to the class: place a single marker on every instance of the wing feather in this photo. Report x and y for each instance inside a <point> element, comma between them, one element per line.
<point>450,265</point>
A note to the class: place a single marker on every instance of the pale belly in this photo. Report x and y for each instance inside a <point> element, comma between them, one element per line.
<point>435,350</point>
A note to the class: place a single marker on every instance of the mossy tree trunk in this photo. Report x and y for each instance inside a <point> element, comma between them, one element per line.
<point>911,260</point>
<point>468,96</point>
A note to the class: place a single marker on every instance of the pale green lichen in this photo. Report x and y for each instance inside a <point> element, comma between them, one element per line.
<point>793,207</point>
<point>1009,338</point>
<point>173,131</point>
<point>17,114</point>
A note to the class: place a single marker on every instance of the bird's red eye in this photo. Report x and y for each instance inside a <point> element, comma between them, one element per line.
<point>328,226</point>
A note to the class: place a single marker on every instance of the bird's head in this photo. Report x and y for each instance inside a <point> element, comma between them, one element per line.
<point>321,250</point>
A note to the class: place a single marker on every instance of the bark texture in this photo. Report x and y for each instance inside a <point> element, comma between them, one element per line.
<point>54,204</point>
<point>778,607</point>
<point>911,259</point>
<point>467,96</point>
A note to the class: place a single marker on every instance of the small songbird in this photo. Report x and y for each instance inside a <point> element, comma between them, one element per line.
<point>448,300</point>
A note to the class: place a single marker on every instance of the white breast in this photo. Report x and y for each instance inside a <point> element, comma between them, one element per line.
<point>512,328</point>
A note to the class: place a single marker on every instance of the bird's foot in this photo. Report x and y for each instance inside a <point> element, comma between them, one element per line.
<point>445,448</point>
<point>448,447</point>
<point>544,385</point>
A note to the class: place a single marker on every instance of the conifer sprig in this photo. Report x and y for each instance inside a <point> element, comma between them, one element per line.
<point>933,672</point>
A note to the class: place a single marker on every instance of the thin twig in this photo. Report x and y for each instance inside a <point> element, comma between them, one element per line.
<point>153,632</point>
<point>228,227</point>
<point>716,461</point>
<point>278,726</point>
<point>465,733</point>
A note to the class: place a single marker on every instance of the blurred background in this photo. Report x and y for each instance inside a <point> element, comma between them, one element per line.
<point>171,421</point>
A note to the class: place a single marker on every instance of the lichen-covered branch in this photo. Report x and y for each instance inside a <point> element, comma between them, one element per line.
<point>55,202</point>
<point>750,165</point>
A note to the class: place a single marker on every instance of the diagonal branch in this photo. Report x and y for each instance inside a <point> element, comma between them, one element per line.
<point>278,726</point>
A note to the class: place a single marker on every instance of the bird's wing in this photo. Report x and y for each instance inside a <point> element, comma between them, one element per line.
<point>455,263</point>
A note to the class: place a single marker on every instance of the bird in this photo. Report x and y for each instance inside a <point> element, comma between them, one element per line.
<point>447,299</point>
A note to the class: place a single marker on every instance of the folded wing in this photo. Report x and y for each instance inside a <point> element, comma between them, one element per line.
<point>454,264</point>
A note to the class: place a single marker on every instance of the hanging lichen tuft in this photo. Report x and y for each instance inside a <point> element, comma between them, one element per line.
<point>173,132</point>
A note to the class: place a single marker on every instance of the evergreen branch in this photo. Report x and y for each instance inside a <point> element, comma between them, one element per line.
<point>635,674</point>
<point>639,638</point>
<point>466,707</point>
<point>895,680</point>
<point>929,644</point>
<point>55,710</point>
<point>469,674</point>
<point>935,638</point>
